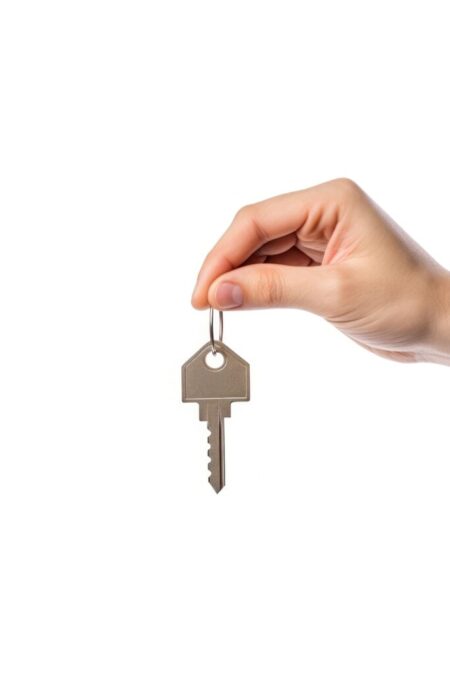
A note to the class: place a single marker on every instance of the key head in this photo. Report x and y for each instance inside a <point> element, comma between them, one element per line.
<point>230,382</point>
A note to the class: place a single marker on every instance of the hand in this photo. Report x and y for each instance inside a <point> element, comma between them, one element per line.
<point>331,250</point>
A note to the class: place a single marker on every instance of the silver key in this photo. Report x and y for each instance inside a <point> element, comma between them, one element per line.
<point>214,389</point>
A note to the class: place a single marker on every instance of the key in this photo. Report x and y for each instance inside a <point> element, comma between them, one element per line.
<point>214,389</point>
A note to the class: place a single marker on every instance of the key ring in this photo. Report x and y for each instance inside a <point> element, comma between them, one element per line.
<point>211,329</point>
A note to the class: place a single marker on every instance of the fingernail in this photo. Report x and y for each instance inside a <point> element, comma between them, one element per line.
<point>229,295</point>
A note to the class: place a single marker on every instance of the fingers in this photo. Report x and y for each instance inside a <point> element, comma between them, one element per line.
<point>252,227</point>
<point>280,245</point>
<point>291,257</point>
<point>310,214</point>
<point>271,285</point>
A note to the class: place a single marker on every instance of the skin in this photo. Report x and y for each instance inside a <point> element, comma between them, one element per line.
<point>332,250</point>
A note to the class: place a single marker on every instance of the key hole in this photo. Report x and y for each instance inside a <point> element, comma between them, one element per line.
<point>214,361</point>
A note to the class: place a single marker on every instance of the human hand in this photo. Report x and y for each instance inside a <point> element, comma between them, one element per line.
<point>331,250</point>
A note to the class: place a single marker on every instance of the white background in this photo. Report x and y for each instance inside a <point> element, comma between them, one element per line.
<point>130,133</point>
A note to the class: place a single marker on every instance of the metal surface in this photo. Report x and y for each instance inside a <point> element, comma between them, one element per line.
<point>214,389</point>
<point>211,329</point>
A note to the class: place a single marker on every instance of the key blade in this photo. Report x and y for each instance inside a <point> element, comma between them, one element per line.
<point>216,452</point>
<point>212,413</point>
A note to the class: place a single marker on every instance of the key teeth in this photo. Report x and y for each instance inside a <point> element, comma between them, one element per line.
<point>209,450</point>
<point>218,488</point>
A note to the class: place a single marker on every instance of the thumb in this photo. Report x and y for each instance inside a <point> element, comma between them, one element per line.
<point>270,285</point>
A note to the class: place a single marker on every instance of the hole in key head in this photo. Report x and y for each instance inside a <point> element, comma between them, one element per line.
<point>214,361</point>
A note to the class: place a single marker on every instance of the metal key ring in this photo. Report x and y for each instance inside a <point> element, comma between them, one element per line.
<point>211,329</point>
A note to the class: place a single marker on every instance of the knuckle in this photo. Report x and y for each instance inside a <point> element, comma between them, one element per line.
<point>246,212</point>
<point>249,215</point>
<point>270,288</point>
<point>347,186</point>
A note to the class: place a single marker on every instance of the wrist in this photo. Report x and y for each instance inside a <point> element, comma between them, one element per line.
<point>440,317</point>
